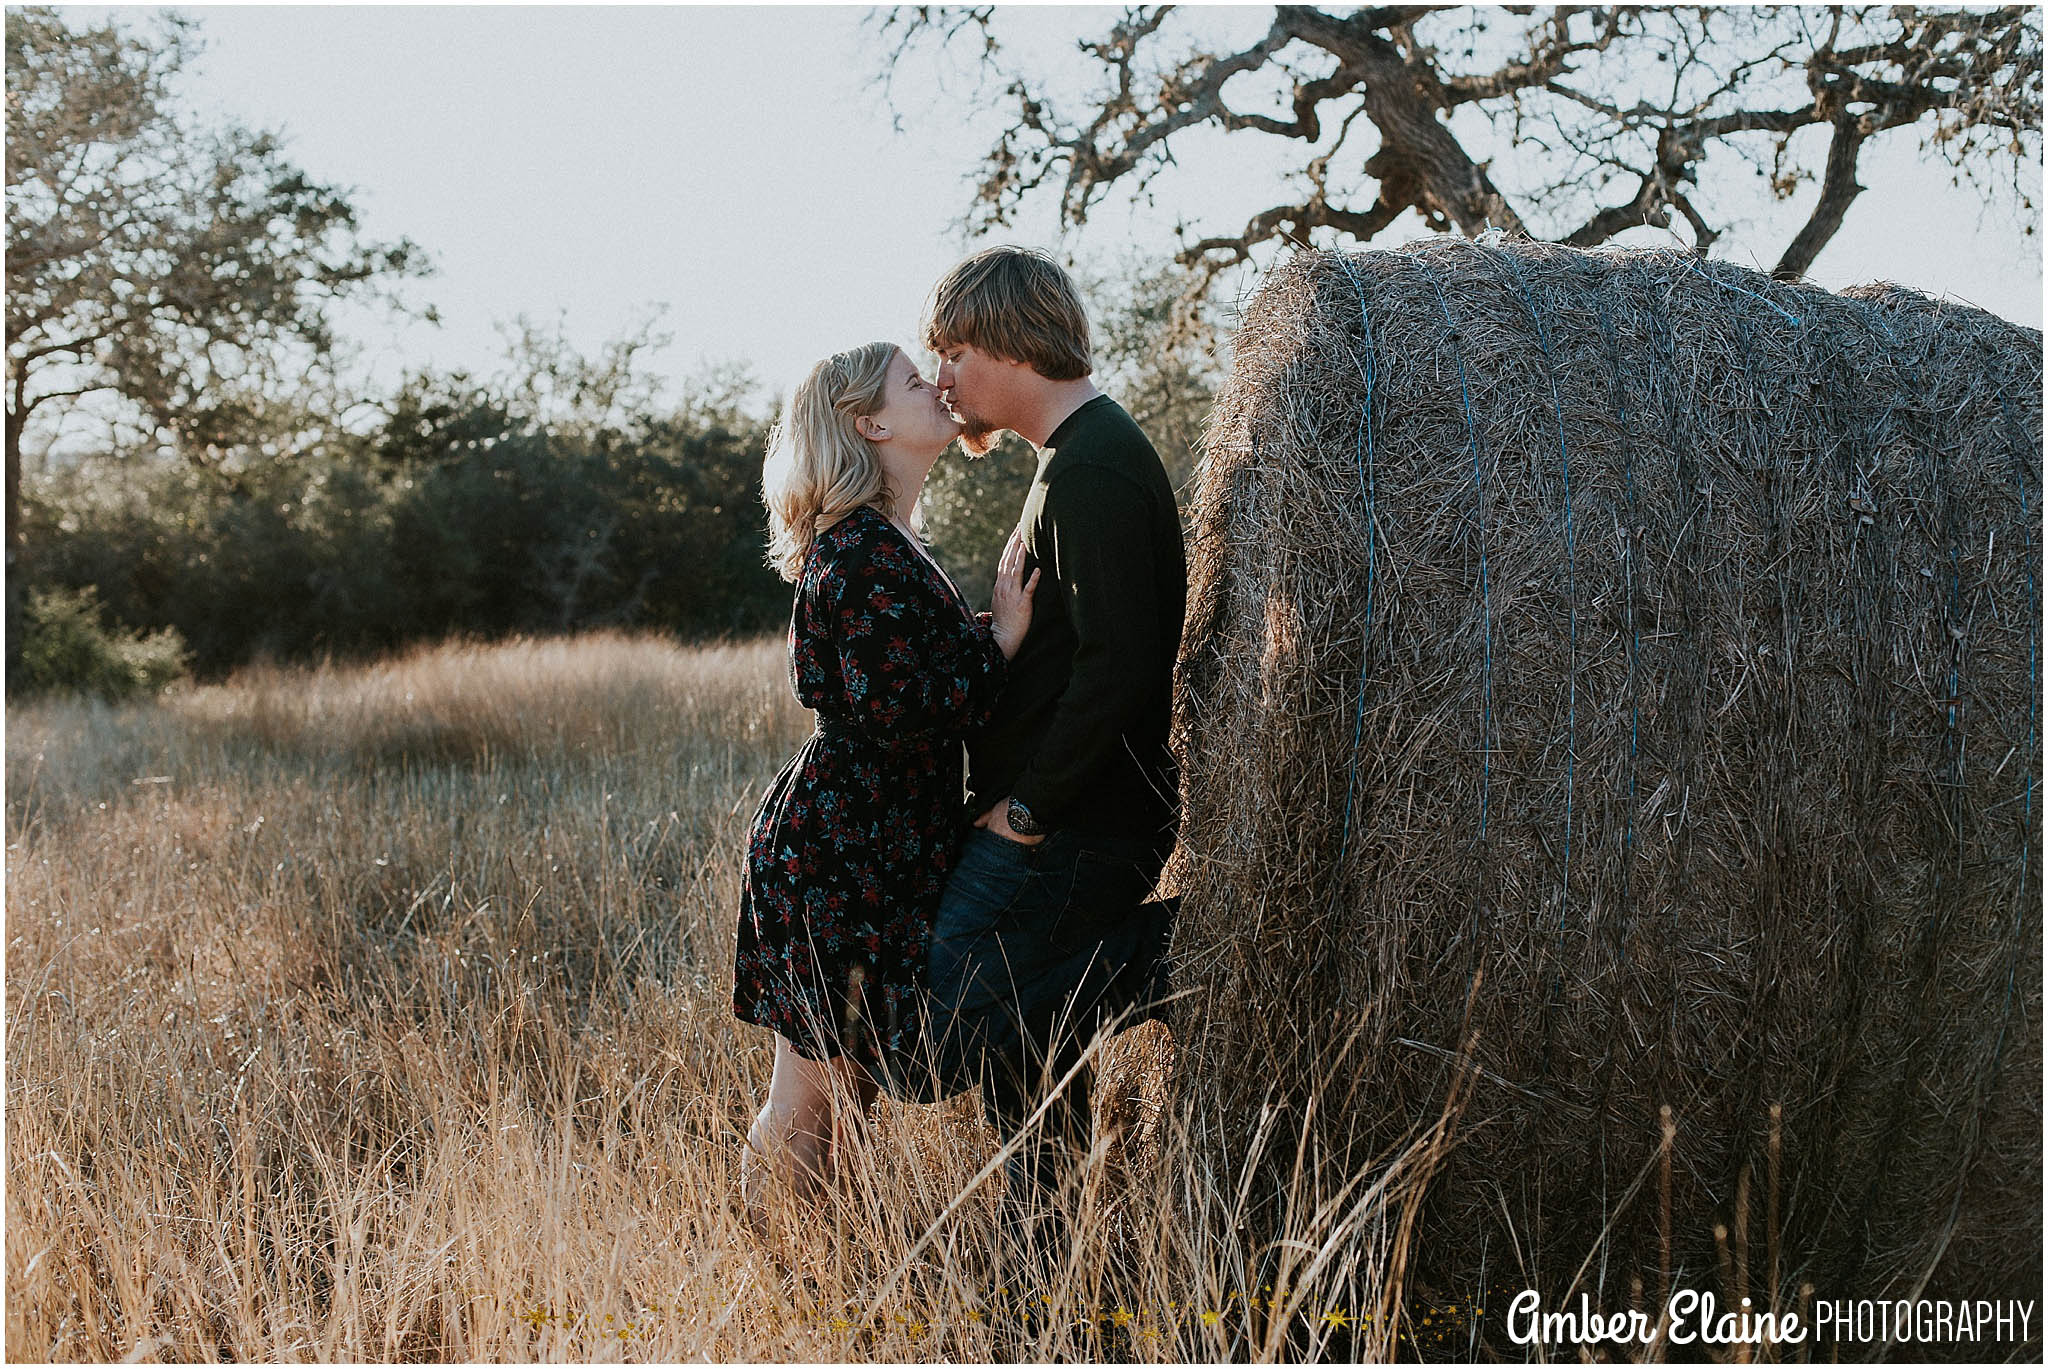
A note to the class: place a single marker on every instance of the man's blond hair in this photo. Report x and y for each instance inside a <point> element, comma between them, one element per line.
<point>1014,303</point>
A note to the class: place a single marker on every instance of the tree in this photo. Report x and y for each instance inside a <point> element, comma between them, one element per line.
<point>1162,355</point>
<point>1612,111</point>
<point>189,273</point>
<point>551,384</point>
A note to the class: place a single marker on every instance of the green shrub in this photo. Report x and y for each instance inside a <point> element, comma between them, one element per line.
<point>342,554</point>
<point>66,644</point>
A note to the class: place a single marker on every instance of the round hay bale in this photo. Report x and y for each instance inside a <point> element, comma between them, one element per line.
<point>1609,687</point>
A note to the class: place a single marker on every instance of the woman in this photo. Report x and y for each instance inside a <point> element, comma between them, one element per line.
<point>852,845</point>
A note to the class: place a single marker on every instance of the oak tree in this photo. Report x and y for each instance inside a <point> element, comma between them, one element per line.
<point>1567,123</point>
<point>187,272</point>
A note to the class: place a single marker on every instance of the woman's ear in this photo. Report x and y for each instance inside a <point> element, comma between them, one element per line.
<point>867,427</point>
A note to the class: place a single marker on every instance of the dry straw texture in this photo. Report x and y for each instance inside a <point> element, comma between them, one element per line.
<point>1610,685</point>
<point>383,1012</point>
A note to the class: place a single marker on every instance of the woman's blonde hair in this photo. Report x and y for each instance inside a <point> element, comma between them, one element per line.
<point>819,468</point>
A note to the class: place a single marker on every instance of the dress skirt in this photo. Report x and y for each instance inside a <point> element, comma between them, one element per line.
<point>852,844</point>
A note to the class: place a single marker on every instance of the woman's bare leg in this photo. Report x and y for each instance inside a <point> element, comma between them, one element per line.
<point>813,1117</point>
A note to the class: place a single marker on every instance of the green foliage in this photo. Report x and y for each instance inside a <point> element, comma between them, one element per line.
<point>66,645</point>
<point>1159,350</point>
<point>453,518</point>
<point>188,271</point>
<point>551,504</point>
<point>176,280</point>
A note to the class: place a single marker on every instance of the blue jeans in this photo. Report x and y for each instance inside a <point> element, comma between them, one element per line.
<point>1034,950</point>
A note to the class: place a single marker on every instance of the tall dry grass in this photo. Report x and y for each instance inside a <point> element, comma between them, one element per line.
<point>382,1013</point>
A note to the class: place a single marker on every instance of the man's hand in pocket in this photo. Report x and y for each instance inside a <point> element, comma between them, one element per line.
<point>997,820</point>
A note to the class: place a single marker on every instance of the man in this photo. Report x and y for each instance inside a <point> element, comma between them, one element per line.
<point>1042,938</point>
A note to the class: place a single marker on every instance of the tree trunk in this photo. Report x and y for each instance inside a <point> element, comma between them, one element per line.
<point>17,589</point>
<point>13,487</point>
<point>1838,187</point>
<point>1419,155</point>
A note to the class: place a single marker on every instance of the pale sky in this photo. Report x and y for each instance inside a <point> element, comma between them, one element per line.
<point>738,166</point>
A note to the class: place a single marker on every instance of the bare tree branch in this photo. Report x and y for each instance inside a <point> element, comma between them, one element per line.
<point>1595,100</point>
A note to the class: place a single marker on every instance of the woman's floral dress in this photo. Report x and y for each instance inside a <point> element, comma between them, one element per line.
<point>852,845</point>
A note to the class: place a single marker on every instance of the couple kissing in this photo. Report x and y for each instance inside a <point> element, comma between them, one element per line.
<point>894,936</point>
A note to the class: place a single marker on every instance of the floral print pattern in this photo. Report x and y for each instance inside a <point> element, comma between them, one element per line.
<point>853,842</point>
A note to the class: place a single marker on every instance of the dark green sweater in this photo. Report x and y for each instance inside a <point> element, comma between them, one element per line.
<point>1079,734</point>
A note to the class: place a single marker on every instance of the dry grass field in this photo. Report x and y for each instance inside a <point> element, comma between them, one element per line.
<point>381,1012</point>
